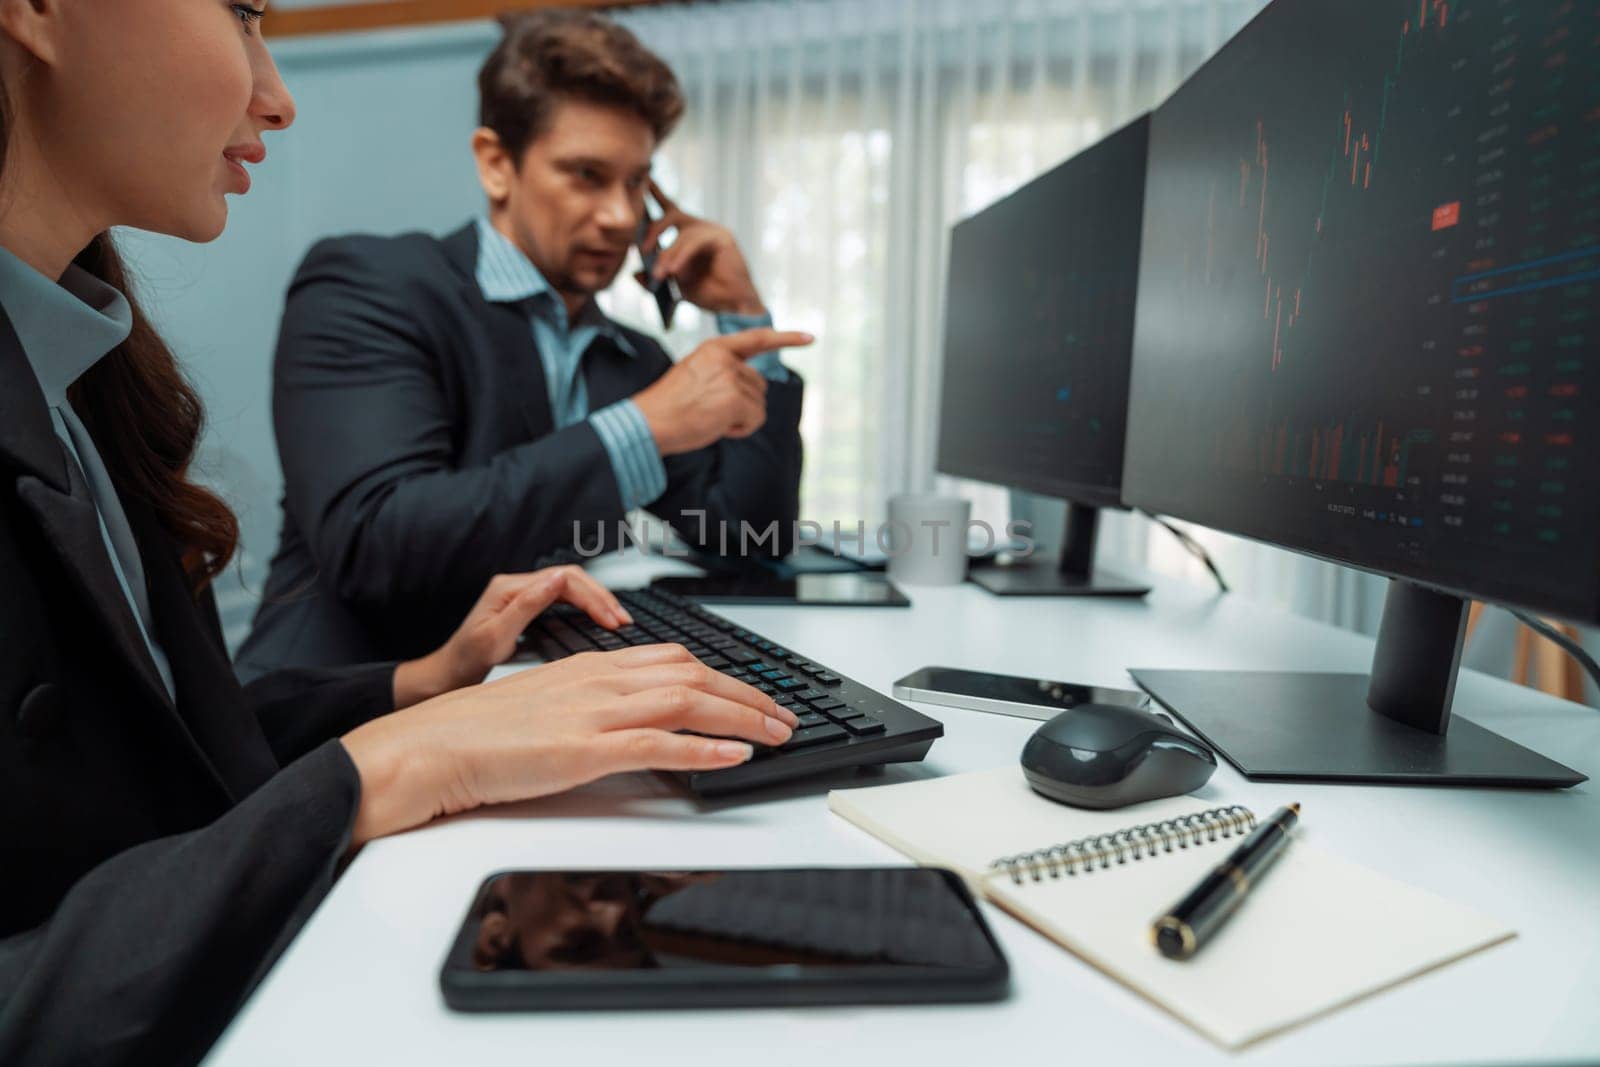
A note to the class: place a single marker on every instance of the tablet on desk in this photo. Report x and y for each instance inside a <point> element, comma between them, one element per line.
<point>860,589</point>
<point>559,940</point>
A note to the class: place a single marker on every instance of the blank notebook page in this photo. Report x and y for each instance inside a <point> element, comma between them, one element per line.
<point>1314,933</point>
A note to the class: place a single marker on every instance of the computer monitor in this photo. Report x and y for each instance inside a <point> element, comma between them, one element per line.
<point>1367,332</point>
<point>1038,333</point>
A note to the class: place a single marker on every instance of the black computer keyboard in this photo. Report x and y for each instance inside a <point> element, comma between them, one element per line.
<point>842,722</point>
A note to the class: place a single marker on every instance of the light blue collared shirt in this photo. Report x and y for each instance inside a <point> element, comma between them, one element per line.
<point>506,276</point>
<point>64,330</point>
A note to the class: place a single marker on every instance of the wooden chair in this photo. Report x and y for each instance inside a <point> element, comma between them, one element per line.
<point>1539,662</point>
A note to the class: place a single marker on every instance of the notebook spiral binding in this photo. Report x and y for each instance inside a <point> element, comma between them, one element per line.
<point>1135,842</point>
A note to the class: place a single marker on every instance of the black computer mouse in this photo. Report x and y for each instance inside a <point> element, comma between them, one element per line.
<point>1104,756</point>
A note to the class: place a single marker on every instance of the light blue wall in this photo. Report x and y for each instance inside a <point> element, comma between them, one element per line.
<point>381,145</point>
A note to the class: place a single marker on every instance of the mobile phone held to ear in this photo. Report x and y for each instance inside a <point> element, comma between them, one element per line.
<point>665,291</point>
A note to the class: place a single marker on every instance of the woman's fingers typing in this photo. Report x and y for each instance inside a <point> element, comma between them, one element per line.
<point>645,655</point>
<point>697,675</point>
<point>681,707</point>
<point>651,676</point>
<point>646,749</point>
<point>599,603</point>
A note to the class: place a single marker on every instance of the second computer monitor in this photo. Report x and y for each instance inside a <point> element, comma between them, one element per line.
<point>1038,337</point>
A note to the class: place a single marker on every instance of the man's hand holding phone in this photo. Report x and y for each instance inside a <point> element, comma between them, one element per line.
<point>713,392</point>
<point>665,290</point>
<point>704,260</point>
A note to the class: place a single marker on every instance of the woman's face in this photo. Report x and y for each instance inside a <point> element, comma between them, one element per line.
<point>147,111</point>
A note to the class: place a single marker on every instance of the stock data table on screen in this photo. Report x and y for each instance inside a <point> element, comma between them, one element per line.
<point>1371,261</point>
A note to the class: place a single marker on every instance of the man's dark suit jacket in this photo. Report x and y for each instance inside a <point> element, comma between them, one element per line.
<point>157,857</point>
<point>420,456</point>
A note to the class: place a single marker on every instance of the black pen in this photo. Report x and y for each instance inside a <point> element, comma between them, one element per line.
<point>1190,924</point>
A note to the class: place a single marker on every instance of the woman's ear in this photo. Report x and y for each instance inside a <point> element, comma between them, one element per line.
<point>35,26</point>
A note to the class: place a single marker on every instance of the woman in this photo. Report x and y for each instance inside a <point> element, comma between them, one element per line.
<point>164,831</point>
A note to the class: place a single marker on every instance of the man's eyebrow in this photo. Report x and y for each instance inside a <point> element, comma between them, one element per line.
<point>583,161</point>
<point>600,164</point>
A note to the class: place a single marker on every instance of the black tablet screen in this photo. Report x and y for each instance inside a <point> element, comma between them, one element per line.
<point>679,920</point>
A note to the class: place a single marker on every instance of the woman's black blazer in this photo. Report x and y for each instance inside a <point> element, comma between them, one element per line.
<point>156,858</point>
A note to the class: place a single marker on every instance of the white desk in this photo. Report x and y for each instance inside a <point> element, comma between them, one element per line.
<point>359,985</point>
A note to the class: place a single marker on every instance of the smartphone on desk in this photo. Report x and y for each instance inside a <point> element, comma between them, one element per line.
<point>1006,694</point>
<point>544,940</point>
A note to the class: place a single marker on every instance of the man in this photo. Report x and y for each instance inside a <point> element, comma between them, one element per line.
<point>449,409</point>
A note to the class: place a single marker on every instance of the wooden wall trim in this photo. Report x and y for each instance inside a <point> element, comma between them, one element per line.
<point>352,18</point>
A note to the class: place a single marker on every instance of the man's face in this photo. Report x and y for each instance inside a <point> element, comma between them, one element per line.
<point>575,202</point>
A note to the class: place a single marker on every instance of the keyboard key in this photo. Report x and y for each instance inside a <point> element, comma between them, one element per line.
<point>808,695</point>
<point>767,689</point>
<point>773,675</point>
<point>716,663</point>
<point>760,666</point>
<point>828,704</point>
<point>786,700</point>
<point>828,678</point>
<point>743,657</point>
<point>788,685</point>
<point>813,735</point>
<point>864,724</point>
<point>569,638</point>
<point>812,718</point>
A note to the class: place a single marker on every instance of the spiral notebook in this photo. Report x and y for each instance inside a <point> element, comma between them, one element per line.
<point>1316,933</point>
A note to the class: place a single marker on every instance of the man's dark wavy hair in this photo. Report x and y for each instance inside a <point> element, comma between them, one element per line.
<point>548,57</point>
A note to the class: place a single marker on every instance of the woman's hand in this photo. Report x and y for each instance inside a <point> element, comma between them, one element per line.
<point>489,634</point>
<point>554,727</point>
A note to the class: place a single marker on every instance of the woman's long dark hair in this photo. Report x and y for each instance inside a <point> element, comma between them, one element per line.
<point>146,420</point>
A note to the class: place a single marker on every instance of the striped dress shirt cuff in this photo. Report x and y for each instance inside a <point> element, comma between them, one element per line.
<point>635,460</point>
<point>768,364</point>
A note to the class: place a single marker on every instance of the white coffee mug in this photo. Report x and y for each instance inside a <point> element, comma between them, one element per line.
<point>926,539</point>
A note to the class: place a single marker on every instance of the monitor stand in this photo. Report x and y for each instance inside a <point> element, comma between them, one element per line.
<point>1072,575</point>
<point>1393,727</point>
